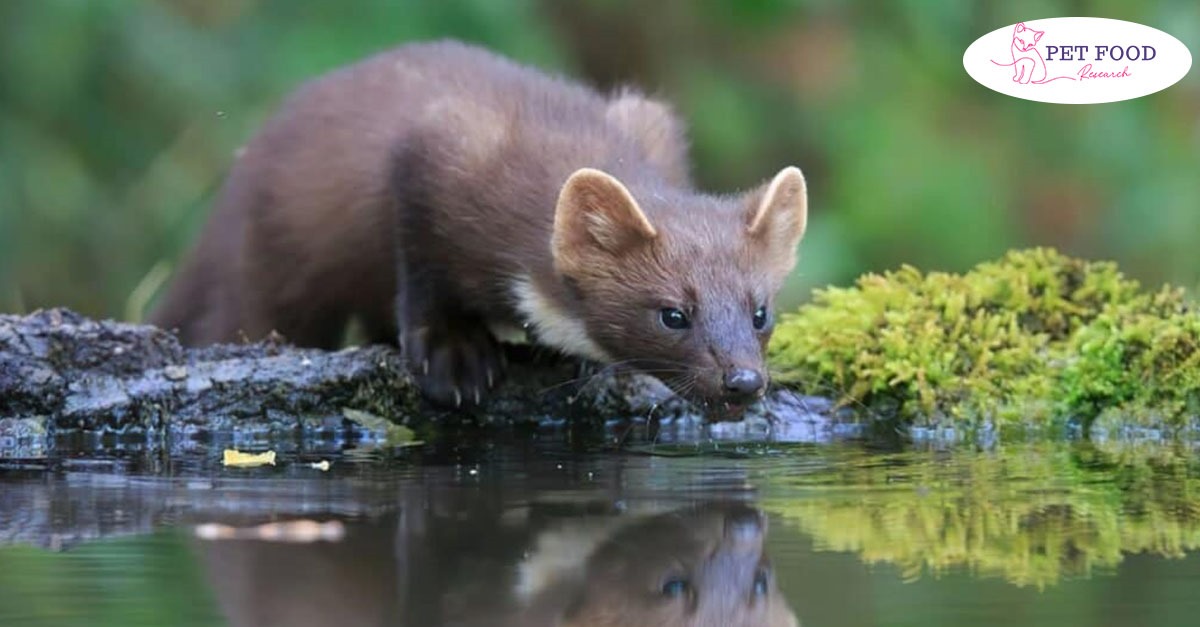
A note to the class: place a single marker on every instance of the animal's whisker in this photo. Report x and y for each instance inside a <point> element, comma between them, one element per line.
<point>660,368</point>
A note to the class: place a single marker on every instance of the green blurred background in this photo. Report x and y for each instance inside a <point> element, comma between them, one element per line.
<point>118,120</point>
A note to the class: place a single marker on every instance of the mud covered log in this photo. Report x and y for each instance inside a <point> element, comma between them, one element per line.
<point>62,373</point>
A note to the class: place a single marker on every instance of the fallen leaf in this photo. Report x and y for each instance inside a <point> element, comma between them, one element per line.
<point>393,434</point>
<point>234,457</point>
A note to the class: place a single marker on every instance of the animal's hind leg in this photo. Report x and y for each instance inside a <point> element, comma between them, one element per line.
<point>299,302</point>
<point>311,322</point>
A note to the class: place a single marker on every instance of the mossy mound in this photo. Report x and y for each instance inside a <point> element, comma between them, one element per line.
<point>1032,340</point>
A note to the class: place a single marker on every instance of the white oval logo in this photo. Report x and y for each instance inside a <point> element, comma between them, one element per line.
<point>1077,60</point>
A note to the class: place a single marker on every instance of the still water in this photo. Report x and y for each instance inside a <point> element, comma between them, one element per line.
<point>530,533</point>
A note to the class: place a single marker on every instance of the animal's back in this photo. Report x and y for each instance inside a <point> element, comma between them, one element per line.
<point>303,235</point>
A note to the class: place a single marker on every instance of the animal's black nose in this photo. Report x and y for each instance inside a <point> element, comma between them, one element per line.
<point>743,382</point>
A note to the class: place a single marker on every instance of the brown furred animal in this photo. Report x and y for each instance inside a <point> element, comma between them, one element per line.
<point>437,191</point>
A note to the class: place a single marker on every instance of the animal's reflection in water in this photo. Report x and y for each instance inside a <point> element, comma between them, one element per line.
<point>699,565</point>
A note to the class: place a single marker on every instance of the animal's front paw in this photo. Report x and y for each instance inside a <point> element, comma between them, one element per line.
<point>455,365</point>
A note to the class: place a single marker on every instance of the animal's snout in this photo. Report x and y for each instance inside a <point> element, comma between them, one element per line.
<point>744,383</point>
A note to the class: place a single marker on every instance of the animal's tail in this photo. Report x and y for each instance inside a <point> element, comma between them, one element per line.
<point>1043,82</point>
<point>1004,64</point>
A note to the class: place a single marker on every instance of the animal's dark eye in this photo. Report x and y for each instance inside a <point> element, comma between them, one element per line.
<point>760,318</point>
<point>762,582</point>
<point>673,318</point>
<point>675,587</point>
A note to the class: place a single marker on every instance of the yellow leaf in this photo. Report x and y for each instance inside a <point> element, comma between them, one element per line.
<point>234,457</point>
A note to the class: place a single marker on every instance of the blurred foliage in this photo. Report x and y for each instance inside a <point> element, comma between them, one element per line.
<point>1032,515</point>
<point>1032,339</point>
<point>119,120</point>
<point>147,580</point>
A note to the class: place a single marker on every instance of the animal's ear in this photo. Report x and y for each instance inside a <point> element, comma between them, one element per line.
<point>1037,35</point>
<point>1020,27</point>
<point>596,213</point>
<point>778,215</point>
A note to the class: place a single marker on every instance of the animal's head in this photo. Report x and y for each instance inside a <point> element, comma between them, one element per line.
<point>678,284</point>
<point>1025,38</point>
<point>698,567</point>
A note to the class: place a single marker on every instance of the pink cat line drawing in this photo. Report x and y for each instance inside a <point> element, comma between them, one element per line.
<point>1029,68</point>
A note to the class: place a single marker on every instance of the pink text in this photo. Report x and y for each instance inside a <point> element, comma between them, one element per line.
<point>1086,72</point>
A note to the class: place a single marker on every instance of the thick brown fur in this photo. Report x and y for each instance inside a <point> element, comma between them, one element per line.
<point>417,191</point>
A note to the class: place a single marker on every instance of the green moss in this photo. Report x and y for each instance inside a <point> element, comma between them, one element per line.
<point>1137,364</point>
<point>1030,340</point>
